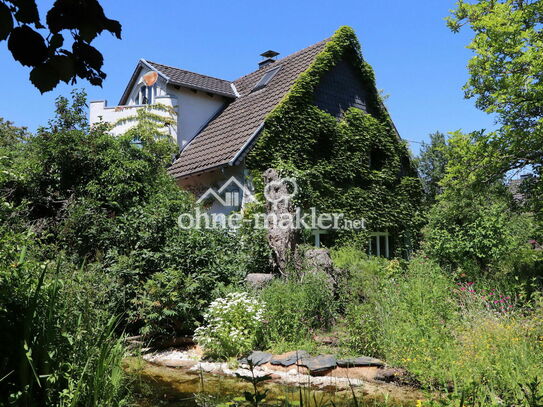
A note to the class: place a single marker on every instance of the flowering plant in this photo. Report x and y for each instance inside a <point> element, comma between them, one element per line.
<point>490,299</point>
<point>232,326</point>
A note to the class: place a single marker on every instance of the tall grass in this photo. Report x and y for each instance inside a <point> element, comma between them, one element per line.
<point>295,307</point>
<point>59,345</point>
<point>451,335</point>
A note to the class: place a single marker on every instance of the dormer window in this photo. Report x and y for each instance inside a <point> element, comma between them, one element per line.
<point>143,95</point>
<point>146,95</point>
<point>266,78</point>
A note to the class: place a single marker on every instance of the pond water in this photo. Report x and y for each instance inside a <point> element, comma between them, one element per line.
<point>174,387</point>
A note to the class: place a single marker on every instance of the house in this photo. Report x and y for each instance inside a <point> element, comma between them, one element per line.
<point>230,196</point>
<point>227,128</point>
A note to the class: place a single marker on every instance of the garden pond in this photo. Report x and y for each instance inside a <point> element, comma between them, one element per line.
<point>178,387</point>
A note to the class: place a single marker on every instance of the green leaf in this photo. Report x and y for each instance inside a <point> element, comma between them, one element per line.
<point>6,21</point>
<point>63,66</point>
<point>56,41</point>
<point>27,12</point>
<point>44,77</point>
<point>87,53</point>
<point>86,17</point>
<point>27,46</point>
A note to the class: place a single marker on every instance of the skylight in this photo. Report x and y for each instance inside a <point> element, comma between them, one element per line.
<point>266,78</point>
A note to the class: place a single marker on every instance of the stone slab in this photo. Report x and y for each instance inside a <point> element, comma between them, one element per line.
<point>289,358</point>
<point>319,364</point>
<point>362,361</point>
<point>257,358</point>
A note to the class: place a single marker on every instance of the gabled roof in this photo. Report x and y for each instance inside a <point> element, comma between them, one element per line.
<point>194,80</point>
<point>227,137</point>
<point>181,77</point>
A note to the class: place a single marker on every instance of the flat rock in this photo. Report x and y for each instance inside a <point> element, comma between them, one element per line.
<point>257,358</point>
<point>387,376</point>
<point>177,363</point>
<point>289,358</point>
<point>319,364</point>
<point>258,280</point>
<point>363,361</point>
<point>326,340</point>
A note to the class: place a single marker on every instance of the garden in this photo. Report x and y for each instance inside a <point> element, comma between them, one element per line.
<point>95,274</point>
<point>86,262</point>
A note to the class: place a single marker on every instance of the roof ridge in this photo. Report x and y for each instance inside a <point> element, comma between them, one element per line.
<point>285,57</point>
<point>227,138</point>
<point>241,77</point>
<point>185,70</point>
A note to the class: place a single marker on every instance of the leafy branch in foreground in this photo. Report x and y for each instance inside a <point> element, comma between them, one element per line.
<point>51,61</point>
<point>506,80</point>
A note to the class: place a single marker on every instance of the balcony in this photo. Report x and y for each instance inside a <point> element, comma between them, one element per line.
<point>100,112</point>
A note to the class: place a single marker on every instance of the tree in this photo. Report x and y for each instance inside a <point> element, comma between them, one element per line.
<point>431,165</point>
<point>506,79</point>
<point>76,181</point>
<point>10,134</point>
<point>51,61</point>
<point>477,230</point>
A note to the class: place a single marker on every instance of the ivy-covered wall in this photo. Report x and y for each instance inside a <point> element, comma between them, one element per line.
<point>356,165</point>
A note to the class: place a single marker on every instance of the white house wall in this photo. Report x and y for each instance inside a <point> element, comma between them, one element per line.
<point>198,184</point>
<point>100,112</point>
<point>195,110</point>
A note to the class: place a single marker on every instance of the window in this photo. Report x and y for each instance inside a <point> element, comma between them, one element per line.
<point>266,78</point>
<point>318,236</point>
<point>379,244</point>
<point>377,159</point>
<point>146,95</point>
<point>233,197</point>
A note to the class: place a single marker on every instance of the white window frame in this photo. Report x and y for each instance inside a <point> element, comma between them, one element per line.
<point>376,236</point>
<point>317,236</point>
<point>139,99</point>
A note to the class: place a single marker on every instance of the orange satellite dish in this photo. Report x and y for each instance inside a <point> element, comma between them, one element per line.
<point>150,78</point>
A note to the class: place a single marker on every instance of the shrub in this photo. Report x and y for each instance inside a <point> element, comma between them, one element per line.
<point>477,233</point>
<point>232,326</point>
<point>296,307</point>
<point>185,275</point>
<point>58,344</point>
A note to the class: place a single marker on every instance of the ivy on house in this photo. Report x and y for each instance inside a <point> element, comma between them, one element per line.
<point>356,165</point>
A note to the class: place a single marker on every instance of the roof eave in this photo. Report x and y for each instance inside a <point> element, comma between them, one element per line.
<point>200,171</point>
<point>141,63</point>
<point>215,92</point>
<point>236,160</point>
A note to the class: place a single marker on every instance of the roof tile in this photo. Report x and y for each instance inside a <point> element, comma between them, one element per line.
<point>226,135</point>
<point>195,80</point>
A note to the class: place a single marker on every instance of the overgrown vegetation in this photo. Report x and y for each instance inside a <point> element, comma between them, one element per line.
<point>449,332</point>
<point>296,307</point>
<point>59,343</point>
<point>352,165</point>
<point>96,216</point>
<point>90,249</point>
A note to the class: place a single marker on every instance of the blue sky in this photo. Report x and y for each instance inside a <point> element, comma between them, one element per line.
<point>417,60</point>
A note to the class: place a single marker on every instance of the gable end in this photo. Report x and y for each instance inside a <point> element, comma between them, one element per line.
<point>339,89</point>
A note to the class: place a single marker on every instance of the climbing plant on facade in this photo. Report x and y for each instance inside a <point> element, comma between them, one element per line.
<point>356,165</point>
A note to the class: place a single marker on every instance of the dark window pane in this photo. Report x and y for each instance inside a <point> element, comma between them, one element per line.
<point>382,244</point>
